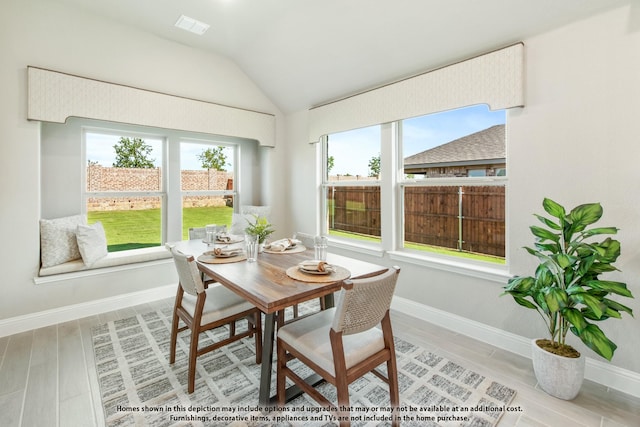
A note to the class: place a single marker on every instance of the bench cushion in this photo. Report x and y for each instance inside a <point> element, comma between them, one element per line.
<point>110,260</point>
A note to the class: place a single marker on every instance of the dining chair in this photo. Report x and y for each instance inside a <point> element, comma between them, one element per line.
<point>197,233</point>
<point>202,309</point>
<point>342,344</point>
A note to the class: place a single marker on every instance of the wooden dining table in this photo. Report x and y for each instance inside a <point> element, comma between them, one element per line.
<point>266,284</point>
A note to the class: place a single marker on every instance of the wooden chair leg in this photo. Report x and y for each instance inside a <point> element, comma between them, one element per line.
<point>281,365</point>
<point>193,355</point>
<point>174,327</point>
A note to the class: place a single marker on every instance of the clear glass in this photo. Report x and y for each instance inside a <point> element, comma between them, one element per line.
<point>464,142</point>
<point>320,248</point>
<point>354,155</point>
<point>252,244</point>
<point>210,232</point>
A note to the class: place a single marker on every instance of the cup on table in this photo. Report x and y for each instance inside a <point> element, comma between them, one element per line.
<point>210,233</point>
<point>320,247</point>
<point>252,244</point>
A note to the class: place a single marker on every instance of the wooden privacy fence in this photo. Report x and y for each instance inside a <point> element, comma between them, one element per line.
<point>466,218</point>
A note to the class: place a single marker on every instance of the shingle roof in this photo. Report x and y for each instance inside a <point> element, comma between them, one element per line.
<point>487,144</point>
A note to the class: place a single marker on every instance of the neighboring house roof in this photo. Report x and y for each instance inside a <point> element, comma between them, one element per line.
<point>486,146</point>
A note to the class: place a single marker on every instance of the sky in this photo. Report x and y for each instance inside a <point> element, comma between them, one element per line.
<point>100,149</point>
<point>352,150</point>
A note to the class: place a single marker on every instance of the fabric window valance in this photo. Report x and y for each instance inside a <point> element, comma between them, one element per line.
<point>495,78</point>
<point>55,96</point>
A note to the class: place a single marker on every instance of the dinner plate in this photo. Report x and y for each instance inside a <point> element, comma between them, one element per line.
<point>224,254</point>
<point>327,271</point>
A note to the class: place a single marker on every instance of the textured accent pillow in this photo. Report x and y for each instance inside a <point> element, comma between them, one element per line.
<point>92,242</point>
<point>58,242</point>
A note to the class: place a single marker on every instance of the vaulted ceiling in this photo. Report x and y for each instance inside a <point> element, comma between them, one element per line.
<point>305,52</point>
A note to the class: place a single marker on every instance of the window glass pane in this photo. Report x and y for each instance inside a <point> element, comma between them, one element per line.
<point>121,163</point>
<point>354,212</point>
<point>199,211</point>
<point>456,220</point>
<point>206,168</point>
<point>459,143</point>
<point>464,219</point>
<point>354,154</point>
<point>129,222</point>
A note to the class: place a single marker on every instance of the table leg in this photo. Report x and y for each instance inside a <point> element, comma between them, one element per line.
<point>267,359</point>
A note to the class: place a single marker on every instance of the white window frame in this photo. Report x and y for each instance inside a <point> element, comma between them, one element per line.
<point>162,194</point>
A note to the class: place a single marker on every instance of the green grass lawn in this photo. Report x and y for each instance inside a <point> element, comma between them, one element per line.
<point>120,226</point>
<point>141,228</point>
<point>424,248</point>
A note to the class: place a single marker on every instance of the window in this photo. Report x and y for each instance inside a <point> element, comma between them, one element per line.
<point>125,187</point>
<point>207,177</point>
<point>351,184</point>
<point>450,203</point>
<point>449,189</point>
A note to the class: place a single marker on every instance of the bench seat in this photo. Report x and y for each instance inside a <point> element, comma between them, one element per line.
<point>113,259</point>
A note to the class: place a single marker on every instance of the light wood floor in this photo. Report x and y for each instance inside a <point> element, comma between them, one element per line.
<point>47,377</point>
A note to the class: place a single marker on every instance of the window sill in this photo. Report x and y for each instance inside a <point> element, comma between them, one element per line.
<point>114,261</point>
<point>494,273</point>
<point>360,247</point>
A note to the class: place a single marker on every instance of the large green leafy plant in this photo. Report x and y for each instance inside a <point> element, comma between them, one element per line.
<point>566,289</point>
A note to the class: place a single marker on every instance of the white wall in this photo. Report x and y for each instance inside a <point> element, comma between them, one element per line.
<point>36,32</point>
<point>576,141</point>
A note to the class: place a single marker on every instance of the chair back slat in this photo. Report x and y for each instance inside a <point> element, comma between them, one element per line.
<point>197,233</point>
<point>188,273</point>
<point>363,303</point>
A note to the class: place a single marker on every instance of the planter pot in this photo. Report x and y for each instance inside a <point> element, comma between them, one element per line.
<point>558,376</point>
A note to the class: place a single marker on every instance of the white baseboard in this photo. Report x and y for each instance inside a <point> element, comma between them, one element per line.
<point>41,319</point>
<point>595,370</point>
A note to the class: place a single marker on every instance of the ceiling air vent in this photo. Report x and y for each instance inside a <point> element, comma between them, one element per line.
<point>192,25</point>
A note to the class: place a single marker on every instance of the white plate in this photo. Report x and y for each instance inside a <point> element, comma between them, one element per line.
<point>329,270</point>
<point>224,254</point>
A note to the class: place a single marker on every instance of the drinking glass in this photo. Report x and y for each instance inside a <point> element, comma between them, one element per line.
<point>320,247</point>
<point>252,243</point>
<point>210,233</point>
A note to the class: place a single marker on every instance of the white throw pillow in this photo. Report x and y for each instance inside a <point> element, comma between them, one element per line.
<point>58,242</point>
<point>92,243</point>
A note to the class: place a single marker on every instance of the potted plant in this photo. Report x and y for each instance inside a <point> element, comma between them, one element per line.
<point>568,293</point>
<point>260,227</point>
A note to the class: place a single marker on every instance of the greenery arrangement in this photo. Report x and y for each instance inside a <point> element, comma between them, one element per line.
<point>259,227</point>
<point>566,290</point>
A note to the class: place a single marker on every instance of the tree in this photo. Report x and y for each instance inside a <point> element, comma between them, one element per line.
<point>213,158</point>
<point>374,166</point>
<point>330,164</point>
<point>133,153</point>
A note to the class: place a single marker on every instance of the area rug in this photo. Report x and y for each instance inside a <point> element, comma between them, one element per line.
<point>139,387</point>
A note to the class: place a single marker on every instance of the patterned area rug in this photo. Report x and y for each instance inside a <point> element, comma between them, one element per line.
<point>139,387</point>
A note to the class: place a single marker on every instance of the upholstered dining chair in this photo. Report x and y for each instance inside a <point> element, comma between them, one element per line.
<point>197,233</point>
<point>203,309</point>
<point>342,344</point>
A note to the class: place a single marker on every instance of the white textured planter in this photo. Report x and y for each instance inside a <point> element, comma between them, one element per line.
<point>559,376</point>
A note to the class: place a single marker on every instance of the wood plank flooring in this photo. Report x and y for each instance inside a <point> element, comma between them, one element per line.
<point>47,377</point>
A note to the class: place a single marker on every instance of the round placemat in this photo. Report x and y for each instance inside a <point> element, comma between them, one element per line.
<point>340,273</point>
<point>210,259</point>
<point>294,250</point>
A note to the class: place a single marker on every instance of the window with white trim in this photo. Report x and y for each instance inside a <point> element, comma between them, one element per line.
<point>449,189</point>
<point>207,182</point>
<point>125,187</point>
<point>351,185</point>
